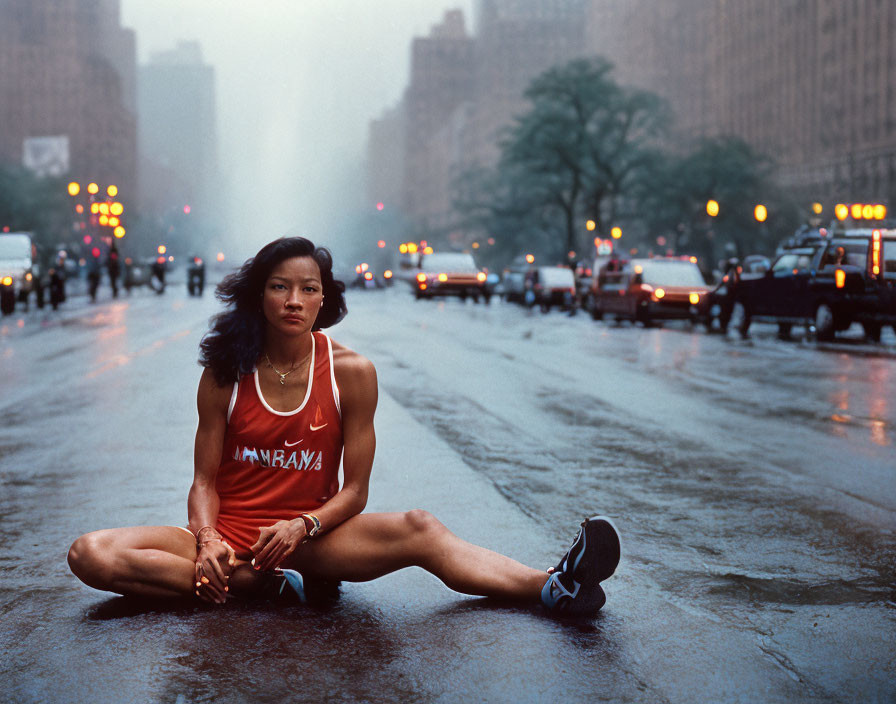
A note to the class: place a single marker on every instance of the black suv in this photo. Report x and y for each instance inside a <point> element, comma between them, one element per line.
<point>826,280</point>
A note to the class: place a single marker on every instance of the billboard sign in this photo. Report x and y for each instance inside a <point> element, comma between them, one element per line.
<point>46,156</point>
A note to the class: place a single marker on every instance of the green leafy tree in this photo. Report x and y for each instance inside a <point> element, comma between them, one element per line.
<point>584,145</point>
<point>39,205</point>
<point>497,203</point>
<point>728,170</point>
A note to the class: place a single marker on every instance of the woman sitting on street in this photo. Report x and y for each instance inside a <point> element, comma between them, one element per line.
<point>280,404</point>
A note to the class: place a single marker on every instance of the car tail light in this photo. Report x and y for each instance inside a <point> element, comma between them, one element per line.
<point>443,277</point>
<point>875,252</point>
<point>422,287</point>
<point>840,278</point>
<point>481,276</point>
<point>659,293</point>
<point>421,278</point>
<point>694,298</point>
<point>7,281</point>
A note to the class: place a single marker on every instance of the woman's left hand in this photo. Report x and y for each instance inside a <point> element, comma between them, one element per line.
<point>275,543</point>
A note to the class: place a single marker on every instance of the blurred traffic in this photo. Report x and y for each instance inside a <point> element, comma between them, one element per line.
<point>824,280</point>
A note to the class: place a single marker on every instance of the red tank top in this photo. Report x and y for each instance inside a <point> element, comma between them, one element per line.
<point>278,464</point>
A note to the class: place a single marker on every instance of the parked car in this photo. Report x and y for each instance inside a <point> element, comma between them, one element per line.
<point>647,290</point>
<point>16,275</point>
<point>827,283</point>
<point>137,273</point>
<point>552,286</point>
<point>450,274</point>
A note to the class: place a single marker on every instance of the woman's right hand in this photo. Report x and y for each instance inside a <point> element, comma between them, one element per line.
<point>214,564</point>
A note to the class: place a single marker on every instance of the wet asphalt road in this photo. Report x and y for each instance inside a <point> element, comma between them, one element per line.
<point>753,484</point>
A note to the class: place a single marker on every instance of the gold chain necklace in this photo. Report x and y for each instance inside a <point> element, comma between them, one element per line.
<point>283,375</point>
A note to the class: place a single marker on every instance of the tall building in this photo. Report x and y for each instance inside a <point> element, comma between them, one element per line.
<point>516,40</point>
<point>463,90</point>
<point>67,70</point>
<point>178,132</point>
<point>384,177</point>
<point>811,82</point>
<point>441,74</point>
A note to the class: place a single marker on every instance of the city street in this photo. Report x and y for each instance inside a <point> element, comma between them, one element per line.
<point>752,482</point>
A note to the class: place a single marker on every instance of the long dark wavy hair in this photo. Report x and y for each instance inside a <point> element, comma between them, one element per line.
<point>236,339</point>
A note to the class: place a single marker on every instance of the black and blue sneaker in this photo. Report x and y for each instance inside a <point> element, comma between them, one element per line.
<point>290,586</point>
<point>284,585</point>
<point>573,589</point>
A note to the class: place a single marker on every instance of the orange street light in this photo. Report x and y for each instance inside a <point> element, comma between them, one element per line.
<point>116,209</point>
<point>74,188</point>
<point>119,232</point>
<point>616,233</point>
<point>712,208</point>
<point>841,212</point>
<point>530,258</point>
<point>93,189</point>
<point>112,191</point>
<point>816,208</point>
<point>880,212</point>
<point>760,212</point>
<point>162,249</point>
<point>590,225</point>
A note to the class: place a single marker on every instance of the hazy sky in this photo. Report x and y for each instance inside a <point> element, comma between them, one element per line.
<point>297,83</point>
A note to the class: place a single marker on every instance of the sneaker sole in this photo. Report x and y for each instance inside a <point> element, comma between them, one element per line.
<point>602,548</point>
<point>587,603</point>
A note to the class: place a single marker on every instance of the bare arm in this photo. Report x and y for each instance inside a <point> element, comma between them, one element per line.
<point>214,560</point>
<point>356,378</point>
<point>358,396</point>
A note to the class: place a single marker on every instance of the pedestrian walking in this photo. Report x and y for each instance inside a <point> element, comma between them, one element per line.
<point>93,276</point>
<point>113,266</point>
<point>279,404</point>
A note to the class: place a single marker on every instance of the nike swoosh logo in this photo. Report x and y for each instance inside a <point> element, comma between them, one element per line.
<point>317,427</point>
<point>292,444</point>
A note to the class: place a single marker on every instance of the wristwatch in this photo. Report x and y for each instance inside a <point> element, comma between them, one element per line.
<point>314,521</point>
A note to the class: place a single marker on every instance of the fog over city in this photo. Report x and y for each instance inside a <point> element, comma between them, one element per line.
<point>297,83</point>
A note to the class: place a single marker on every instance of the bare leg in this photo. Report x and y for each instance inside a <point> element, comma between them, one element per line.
<point>154,562</point>
<point>370,545</point>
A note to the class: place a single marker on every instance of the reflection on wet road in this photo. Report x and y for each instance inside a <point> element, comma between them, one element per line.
<point>752,481</point>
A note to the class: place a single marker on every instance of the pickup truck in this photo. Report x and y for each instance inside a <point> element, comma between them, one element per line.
<point>826,281</point>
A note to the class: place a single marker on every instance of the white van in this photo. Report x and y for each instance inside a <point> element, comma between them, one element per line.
<point>15,268</point>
